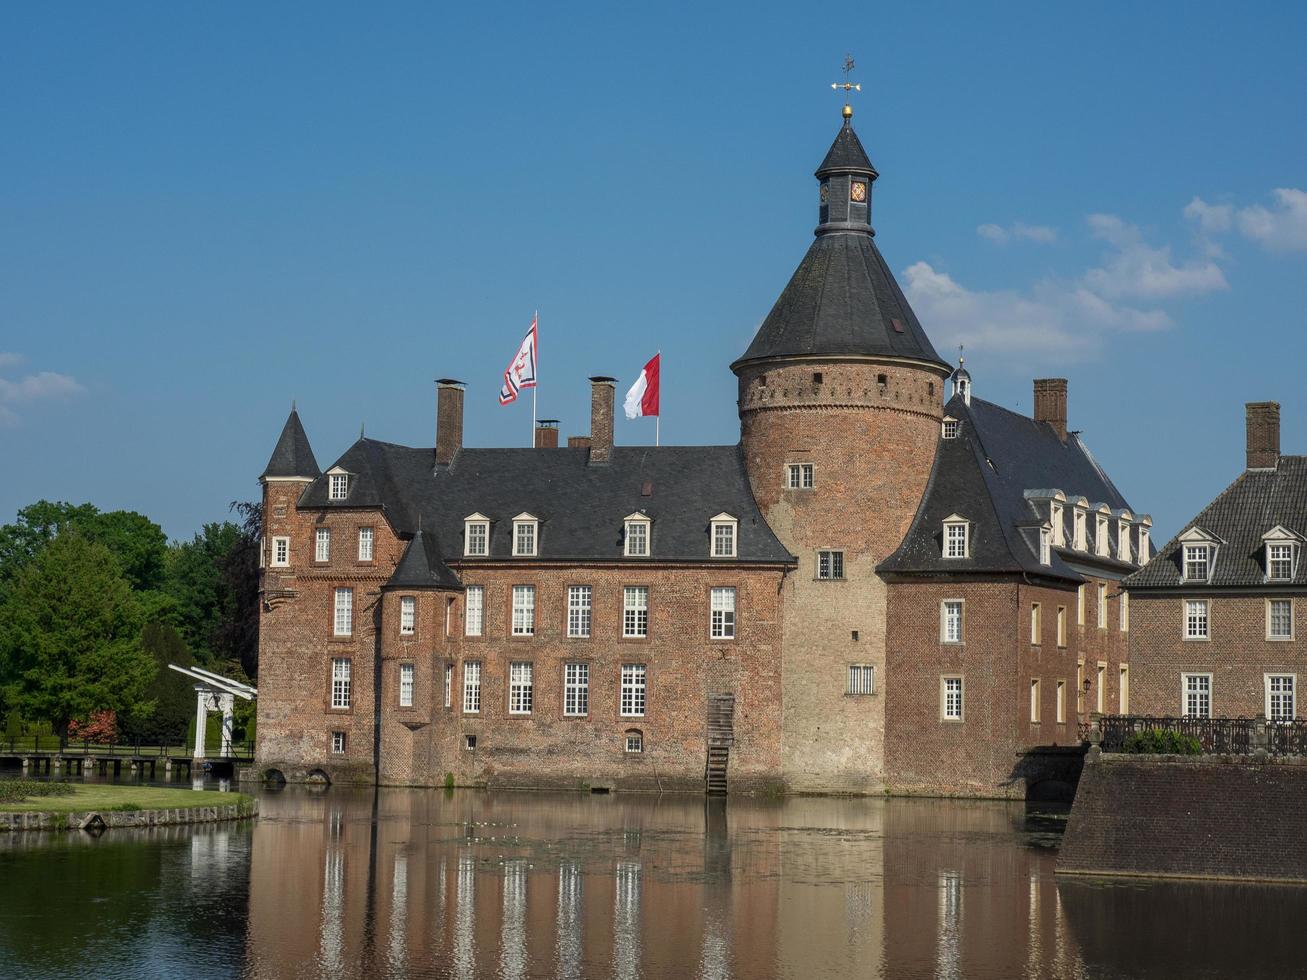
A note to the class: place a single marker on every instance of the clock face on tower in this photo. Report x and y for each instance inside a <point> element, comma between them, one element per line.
<point>858,191</point>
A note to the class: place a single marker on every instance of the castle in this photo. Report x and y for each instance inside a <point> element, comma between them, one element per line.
<point>877,589</point>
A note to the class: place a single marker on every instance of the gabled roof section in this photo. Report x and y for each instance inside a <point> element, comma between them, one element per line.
<point>1240,516</point>
<point>421,567</point>
<point>293,457</point>
<point>846,155</point>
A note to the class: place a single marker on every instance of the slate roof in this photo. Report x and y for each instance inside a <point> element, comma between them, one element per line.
<point>1252,505</point>
<point>985,475</point>
<point>581,508</point>
<point>842,300</point>
<point>422,567</point>
<point>292,456</point>
<point>846,154</point>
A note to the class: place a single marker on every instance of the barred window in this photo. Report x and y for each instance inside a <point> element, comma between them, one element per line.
<point>579,599</point>
<point>830,564</point>
<point>723,613</point>
<point>406,685</point>
<point>524,610</point>
<point>633,690</point>
<point>340,682</point>
<point>576,689</point>
<point>408,606</point>
<point>343,622</point>
<point>1195,619</point>
<point>365,544</point>
<point>635,611</point>
<point>862,679</point>
<point>471,687</point>
<point>1197,695</point>
<point>474,610</point>
<point>322,544</point>
<point>520,688</point>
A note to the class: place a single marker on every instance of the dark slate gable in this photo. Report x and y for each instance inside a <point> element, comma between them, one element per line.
<point>984,475</point>
<point>292,455</point>
<point>1255,503</point>
<point>421,566</point>
<point>580,507</point>
<point>846,154</point>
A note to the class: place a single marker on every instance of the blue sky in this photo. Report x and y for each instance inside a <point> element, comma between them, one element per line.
<point>207,210</point>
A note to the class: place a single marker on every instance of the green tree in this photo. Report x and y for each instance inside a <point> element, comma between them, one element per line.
<point>172,693</point>
<point>70,636</point>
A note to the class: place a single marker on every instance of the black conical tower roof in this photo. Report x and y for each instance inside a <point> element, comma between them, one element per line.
<point>846,155</point>
<point>293,456</point>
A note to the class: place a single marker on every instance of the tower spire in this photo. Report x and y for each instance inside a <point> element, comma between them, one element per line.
<point>847,87</point>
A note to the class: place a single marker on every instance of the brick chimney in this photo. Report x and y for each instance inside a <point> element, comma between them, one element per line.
<point>1263,435</point>
<point>1050,404</point>
<point>578,442</point>
<point>449,420</point>
<point>547,434</point>
<point>602,393</point>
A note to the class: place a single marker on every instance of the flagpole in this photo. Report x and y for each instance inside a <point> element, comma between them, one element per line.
<point>658,419</point>
<point>535,328</point>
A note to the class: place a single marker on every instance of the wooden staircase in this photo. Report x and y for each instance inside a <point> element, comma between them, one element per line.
<point>721,736</point>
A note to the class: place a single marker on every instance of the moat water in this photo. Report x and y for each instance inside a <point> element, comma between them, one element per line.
<point>347,883</point>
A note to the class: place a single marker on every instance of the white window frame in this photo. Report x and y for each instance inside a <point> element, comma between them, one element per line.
<point>957,537</point>
<point>637,541</point>
<point>1055,520</point>
<point>948,622</point>
<point>1060,702</point>
<point>476,527</point>
<point>408,615</point>
<point>1142,557</point>
<point>342,669</point>
<point>338,743</point>
<point>1036,624</point>
<point>1061,627</point>
<point>342,623</point>
<point>449,685</point>
<point>1123,689</point>
<point>635,612</point>
<point>580,611</point>
<point>337,485</point>
<point>521,687</point>
<point>1123,607</point>
<point>721,616</point>
<point>1036,708</point>
<point>1102,544</point>
<point>1289,558</point>
<point>576,689</point>
<point>406,684</point>
<point>322,544</point>
<point>1270,683</point>
<point>1080,604</point>
<point>831,557</point>
<point>800,476</point>
<point>1122,540</point>
<point>634,741</point>
<point>280,552</point>
<point>474,610</point>
<point>1270,620</point>
<point>952,698</point>
<point>1102,606</point>
<point>526,536</point>
<point>949,428</point>
<point>862,680</point>
<point>1197,624</point>
<point>1199,557</point>
<point>471,687</point>
<point>634,698</point>
<point>524,610</point>
<point>1045,546</point>
<point>1100,684</point>
<point>1197,691</point>
<point>723,529</point>
<point>1081,540</point>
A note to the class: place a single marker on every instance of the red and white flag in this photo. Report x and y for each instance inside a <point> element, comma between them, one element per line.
<point>642,399</point>
<point>521,371</point>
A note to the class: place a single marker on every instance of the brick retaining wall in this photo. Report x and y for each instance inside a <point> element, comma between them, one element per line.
<point>127,818</point>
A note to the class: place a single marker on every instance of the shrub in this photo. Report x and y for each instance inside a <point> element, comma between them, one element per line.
<point>100,729</point>
<point>449,780</point>
<point>17,790</point>
<point>1162,741</point>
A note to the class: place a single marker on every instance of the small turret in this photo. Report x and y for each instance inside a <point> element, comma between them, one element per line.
<point>293,457</point>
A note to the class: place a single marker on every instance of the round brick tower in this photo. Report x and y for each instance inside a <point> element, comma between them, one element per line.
<point>840,400</point>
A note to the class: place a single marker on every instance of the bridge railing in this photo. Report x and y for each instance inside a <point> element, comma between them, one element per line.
<point>21,745</point>
<point>1218,736</point>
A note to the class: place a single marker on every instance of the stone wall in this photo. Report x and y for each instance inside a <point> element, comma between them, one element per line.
<point>1189,817</point>
<point>101,819</point>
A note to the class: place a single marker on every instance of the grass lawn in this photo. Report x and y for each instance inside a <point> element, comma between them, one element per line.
<point>101,797</point>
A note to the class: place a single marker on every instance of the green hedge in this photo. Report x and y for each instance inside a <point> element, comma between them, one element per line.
<point>1162,741</point>
<point>16,790</point>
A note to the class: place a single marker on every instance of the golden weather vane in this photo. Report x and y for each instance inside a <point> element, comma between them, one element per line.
<point>847,86</point>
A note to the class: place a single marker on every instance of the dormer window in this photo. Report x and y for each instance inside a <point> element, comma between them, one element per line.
<point>1102,546</point>
<point>1281,554</point>
<point>526,536</point>
<point>476,536</point>
<point>1055,519</point>
<point>1122,540</point>
<point>637,536</point>
<point>1082,521</point>
<point>1045,546</point>
<point>338,487</point>
<point>1197,562</point>
<point>950,429</point>
<point>1143,546</point>
<point>957,535</point>
<point>723,529</point>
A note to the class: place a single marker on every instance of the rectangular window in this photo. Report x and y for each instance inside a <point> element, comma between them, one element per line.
<point>338,743</point>
<point>1279,697</point>
<point>633,690</point>
<point>634,742</point>
<point>830,564</point>
<point>449,685</point>
<point>1279,562</point>
<point>408,615</point>
<point>1061,626</point>
<point>1100,686</point>
<point>1045,546</point>
<point>520,688</point>
<point>722,605</point>
<point>723,540</point>
<point>1101,544</point>
<point>1055,518</point>
<point>339,488</point>
<point>365,544</point>
<point>955,540</point>
<point>1102,606</point>
<point>950,428</point>
<point>477,538</point>
<point>1123,690</point>
<point>1279,619</point>
<point>471,687</point>
<point>1122,541</point>
<point>1081,524</point>
<point>1036,624</point>
<point>322,544</point>
<point>950,708</point>
<point>635,611</point>
<point>1142,557</point>
<point>406,685</point>
<point>1061,702</point>
<point>524,538</point>
<point>799,476</point>
<point>1080,687</point>
<point>1080,605</point>
<point>1034,700</point>
<point>1197,690</point>
<point>1195,619</point>
<point>340,682</point>
<point>1124,606</point>
<point>576,689</point>
<point>862,679</point>
<point>637,539</point>
<point>280,552</point>
<point>1197,563</point>
<point>524,610</point>
<point>578,610</point>
<point>474,603</point>
<point>343,622</point>
<point>950,620</point>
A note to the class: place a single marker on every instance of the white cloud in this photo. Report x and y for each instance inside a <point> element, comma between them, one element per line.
<point>1040,234</point>
<point>41,386</point>
<point>10,360</point>
<point>1281,227</point>
<point>1137,269</point>
<point>1211,218</point>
